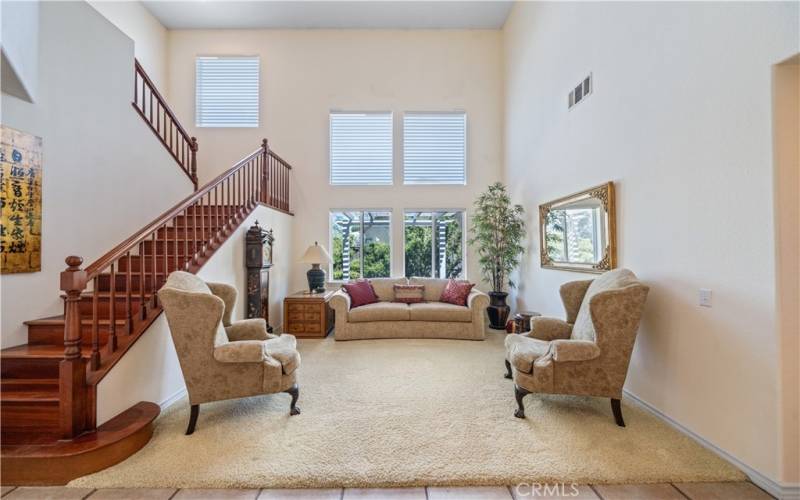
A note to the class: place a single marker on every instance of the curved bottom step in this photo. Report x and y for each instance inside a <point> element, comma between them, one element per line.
<point>62,461</point>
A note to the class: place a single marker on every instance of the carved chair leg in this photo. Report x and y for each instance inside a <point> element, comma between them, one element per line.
<point>508,370</point>
<point>520,393</point>
<point>293,391</point>
<point>193,419</point>
<point>617,409</point>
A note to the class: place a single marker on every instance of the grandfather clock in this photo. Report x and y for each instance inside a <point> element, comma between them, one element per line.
<point>258,259</point>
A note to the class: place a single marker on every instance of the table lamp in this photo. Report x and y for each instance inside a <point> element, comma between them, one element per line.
<point>316,255</point>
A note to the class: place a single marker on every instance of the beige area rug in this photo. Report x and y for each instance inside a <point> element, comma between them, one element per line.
<point>409,413</point>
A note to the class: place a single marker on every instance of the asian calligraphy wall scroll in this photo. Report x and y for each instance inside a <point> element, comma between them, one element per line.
<point>20,201</point>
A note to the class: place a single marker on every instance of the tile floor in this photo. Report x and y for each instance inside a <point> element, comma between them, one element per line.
<point>663,491</point>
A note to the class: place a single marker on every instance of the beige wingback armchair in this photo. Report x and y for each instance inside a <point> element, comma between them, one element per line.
<point>588,354</point>
<point>221,359</point>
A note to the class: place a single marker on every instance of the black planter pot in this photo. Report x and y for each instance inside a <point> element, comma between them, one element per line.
<point>498,310</point>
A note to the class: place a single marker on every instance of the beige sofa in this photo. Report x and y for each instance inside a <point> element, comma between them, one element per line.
<point>429,319</point>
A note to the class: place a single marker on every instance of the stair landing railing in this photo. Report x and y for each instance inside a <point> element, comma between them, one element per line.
<point>183,238</point>
<point>153,108</point>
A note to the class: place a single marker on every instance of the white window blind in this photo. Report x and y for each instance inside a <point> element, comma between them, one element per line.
<point>360,148</point>
<point>226,91</point>
<point>434,148</point>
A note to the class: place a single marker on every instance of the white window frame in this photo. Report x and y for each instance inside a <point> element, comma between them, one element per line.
<point>466,147</point>
<point>330,146</point>
<point>362,210</point>
<point>258,99</point>
<point>464,237</point>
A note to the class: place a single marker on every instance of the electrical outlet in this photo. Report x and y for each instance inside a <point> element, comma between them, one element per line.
<point>705,297</point>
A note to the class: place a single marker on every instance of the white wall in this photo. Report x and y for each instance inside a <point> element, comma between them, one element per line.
<point>680,120</point>
<point>786,126</point>
<point>307,73</point>
<point>148,34</point>
<point>105,173</point>
<point>19,37</point>
<point>149,371</point>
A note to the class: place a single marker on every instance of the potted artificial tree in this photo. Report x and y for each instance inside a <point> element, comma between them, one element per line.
<point>497,231</point>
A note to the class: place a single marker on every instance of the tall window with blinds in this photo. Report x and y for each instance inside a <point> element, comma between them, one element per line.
<point>226,91</point>
<point>361,148</point>
<point>434,148</point>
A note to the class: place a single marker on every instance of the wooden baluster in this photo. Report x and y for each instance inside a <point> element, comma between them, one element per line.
<point>128,290</point>
<point>247,193</point>
<point>194,233</point>
<point>186,240</point>
<point>166,250</point>
<point>111,344</point>
<point>135,86</point>
<point>142,260</point>
<point>94,361</point>
<point>158,118</point>
<point>227,202</point>
<point>151,106</point>
<point>153,270</point>
<point>176,262</point>
<point>272,173</point>
<point>264,161</point>
<point>143,87</point>
<point>203,223</point>
<point>193,161</point>
<point>72,369</point>
<point>216,215</point>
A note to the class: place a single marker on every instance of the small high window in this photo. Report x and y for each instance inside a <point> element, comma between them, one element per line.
<point>226,91</point>
<point>434,148</point>
<point>360,148</point>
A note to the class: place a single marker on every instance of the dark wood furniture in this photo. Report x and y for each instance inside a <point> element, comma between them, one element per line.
<point>308,315</point>
<point>258,260</point>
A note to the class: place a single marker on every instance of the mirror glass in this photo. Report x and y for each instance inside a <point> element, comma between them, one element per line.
<point>577,231</point>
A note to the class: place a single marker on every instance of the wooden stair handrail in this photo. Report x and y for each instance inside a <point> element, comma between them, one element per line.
<point>182,238</point>
<point>185,151</point>
<point>118,251</point>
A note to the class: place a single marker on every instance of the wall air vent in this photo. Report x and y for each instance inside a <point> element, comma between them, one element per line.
<point>581,91</point>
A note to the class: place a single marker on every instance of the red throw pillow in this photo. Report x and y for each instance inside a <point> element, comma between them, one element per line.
<point>456,292</point>
<point>361,293</point>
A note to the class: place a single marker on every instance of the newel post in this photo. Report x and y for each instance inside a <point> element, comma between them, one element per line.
<point>193,162</point>
<point>72,370</point>
<point>264,167</point>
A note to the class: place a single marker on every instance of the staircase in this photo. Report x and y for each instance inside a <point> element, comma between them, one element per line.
<point>48,396</point>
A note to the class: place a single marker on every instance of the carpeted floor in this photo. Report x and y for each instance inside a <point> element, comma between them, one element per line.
<point>406,413</point>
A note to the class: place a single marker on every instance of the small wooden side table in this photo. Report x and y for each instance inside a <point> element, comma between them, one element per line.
<point>308,315</point>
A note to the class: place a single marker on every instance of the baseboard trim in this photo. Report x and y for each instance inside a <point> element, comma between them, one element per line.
<point>779,490</point>
<point>170,400</point>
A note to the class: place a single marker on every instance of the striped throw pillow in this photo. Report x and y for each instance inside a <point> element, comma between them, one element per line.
<point>409,294</point>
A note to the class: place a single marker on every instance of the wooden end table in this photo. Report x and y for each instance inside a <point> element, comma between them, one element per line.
<point>308,315</point>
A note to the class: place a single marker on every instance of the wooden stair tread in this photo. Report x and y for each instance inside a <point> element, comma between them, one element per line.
<point>11,383</point>
<point>60,461</point>
<point>40,351</point>
<point>59,320</point>
<point>16,396</point>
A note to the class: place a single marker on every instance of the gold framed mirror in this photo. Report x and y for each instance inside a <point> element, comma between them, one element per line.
<point>578,232</point>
